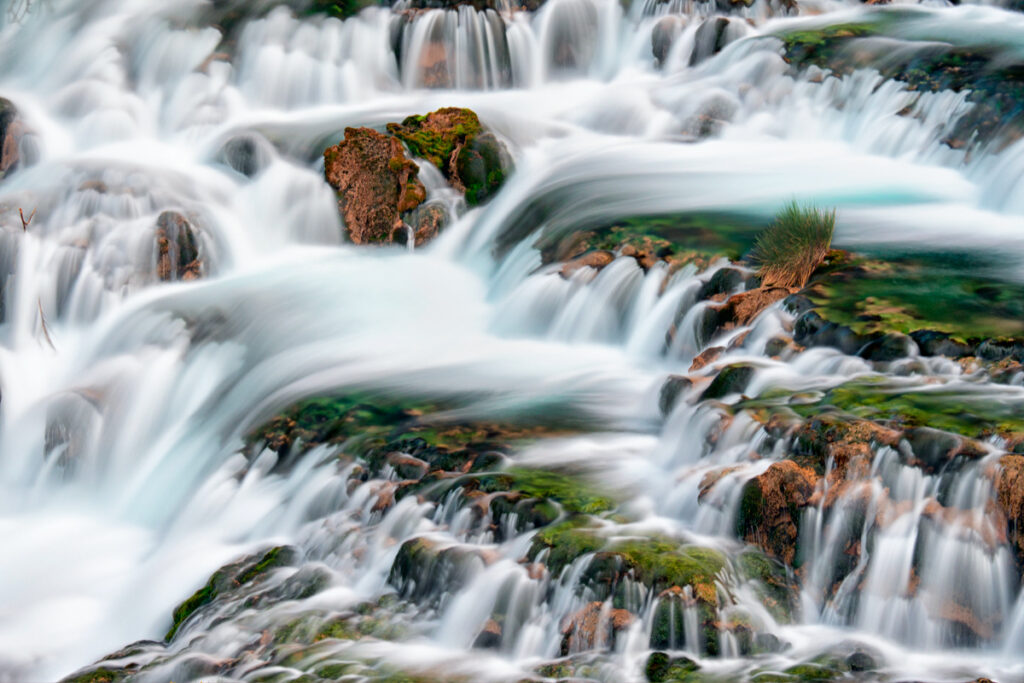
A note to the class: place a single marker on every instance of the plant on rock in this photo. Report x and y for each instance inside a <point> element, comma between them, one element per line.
<point>789,251</point>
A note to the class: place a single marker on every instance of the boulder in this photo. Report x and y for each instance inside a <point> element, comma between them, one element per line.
<point>376,184</point>
<point>177,250</point>
<point>470,157</point>
<point>11,131</point>
<point>593,627</point>
<point>1008,483</point>
<point>771,507</point>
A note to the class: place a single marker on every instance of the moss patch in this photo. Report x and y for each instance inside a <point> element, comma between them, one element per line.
<point>871,295</point>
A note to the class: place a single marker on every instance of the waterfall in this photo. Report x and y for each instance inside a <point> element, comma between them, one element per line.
<point>185,277</point>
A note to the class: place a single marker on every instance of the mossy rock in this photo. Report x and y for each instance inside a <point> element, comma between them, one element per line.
<point>455,141</point>
<point>663,563</point>
<point>340,9</point>
<point>100,675</point>
<point>777,590</point>
<point>570,492</point>
<point>944,294</point>
<point>229,578</point>
<point>995,85</point>
<point>566,542</point>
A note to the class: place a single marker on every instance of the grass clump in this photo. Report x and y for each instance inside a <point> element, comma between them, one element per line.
<point>794,246</point>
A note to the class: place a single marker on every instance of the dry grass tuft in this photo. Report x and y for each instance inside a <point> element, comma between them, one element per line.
<point>789,251</point>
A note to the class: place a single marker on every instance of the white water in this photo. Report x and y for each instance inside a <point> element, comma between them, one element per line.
<point>149,386</point>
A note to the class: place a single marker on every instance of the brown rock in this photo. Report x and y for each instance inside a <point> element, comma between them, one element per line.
<point>12,129</point>
<point>708,355</point>
<point>592,259</point>
<point>431,219</point>
<point>742,308</point>
<point>177,251</point>
<point>771,507</point>
<point>592,627</point>
<point>1008,483</point>
<point>376,183</point>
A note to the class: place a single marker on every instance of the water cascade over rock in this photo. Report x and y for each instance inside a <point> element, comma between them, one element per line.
<point>439,341</point>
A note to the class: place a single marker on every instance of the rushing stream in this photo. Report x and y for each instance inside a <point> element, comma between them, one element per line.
<point>126,397</point>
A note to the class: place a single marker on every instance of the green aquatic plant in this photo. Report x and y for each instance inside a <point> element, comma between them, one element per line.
<point>794,245</point>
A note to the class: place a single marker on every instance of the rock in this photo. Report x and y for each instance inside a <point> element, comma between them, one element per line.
<point>248,154</point>
<point>470,157</point>
<point>932,343</point>
<point>177,251</point>
<point>1008,483</point>
<point>723,281</point>
<point>670,390</point>
<point>430,220</point>
<point>707,356</point>
<point>593,626</point>
<point>664,34</point>
<point>740,309</point>
<point>11,131</point>
<point>661,667</point>
<point>710,38</point>
<point>934,449</point>
<point>889,347</point>
<point>731,380</point>
<point>771,506</point>
<point>861,661</point>
<point>375,182</point>
<point>489,637</point>
<point>592,259</point>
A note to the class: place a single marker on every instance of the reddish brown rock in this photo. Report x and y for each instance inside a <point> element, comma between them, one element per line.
<point>592,259</point>
<point>740,309</point>
<point>593,627</point>
<point>1008,483</point>
<point>177,250</point>
<point>771,507</point>
<point>12,129</point>
<point>708,355</point>
<point>376,183</point>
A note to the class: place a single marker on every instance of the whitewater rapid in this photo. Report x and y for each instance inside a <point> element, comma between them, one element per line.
<point>121,484</point>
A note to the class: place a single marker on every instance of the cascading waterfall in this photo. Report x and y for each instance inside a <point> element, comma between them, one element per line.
<point>185,277</point>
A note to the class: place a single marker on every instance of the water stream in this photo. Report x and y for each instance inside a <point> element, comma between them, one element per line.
<point>122,484</point>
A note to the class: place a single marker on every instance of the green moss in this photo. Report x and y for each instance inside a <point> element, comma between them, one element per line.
<point>201,597</point>
<point>942,292</point>
<point>434,142</point>
<point>340,9</point>
<point>565,542</point>
<point>663,563</point>
<point>959,411</point>
<point>812,672</point>
<point>275,557</point>
<point>574,495</point>
<point>775,589</point>
<point>98,676</point>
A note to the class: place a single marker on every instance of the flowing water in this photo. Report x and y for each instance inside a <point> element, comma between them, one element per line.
<point>122,484</point>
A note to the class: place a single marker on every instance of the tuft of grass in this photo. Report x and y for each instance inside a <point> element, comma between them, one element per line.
<point>794,245</point>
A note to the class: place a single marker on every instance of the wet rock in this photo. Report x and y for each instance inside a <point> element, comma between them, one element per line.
<point>430,220</point>
<point>740,309</point>
<point>592,259</point>
<point>932,343</point>
<point>593,627</point>
<point>889,347</point>
<point>710,38</point>
<point>375,182</point>
<point>771,508</point>
<point>177,249</point>
<point>664,34</point>
<point>470,157</point>
<point>861,661</point>
<point>731,380</point>
<point>1008,483</point>
<point>934,449</point>
<point>489,637</point>
<point>248,154</point>
<point>11,132</point>
<point>661,667</point>
<point>230,578</point>
<point>706,357</point>
<point>724,281</point>
<point>670,391</point>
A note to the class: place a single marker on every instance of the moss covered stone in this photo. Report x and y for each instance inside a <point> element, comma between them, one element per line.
<point>455,141</point>
<point>228,578</point>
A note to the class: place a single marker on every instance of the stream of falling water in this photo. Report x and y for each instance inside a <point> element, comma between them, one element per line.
<point>121,483</point>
